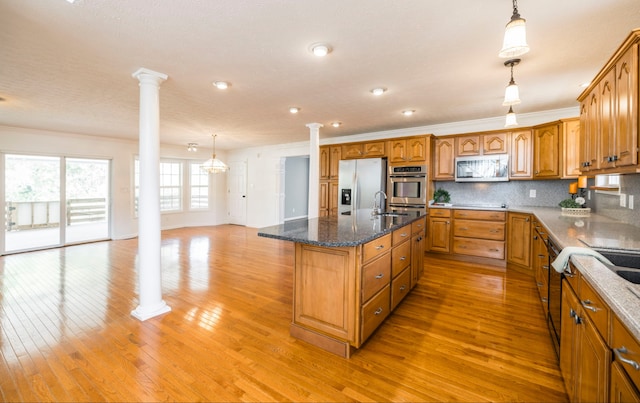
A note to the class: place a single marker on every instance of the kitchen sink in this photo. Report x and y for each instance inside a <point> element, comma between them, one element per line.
<point>626,264</point>
<point>629,275</point>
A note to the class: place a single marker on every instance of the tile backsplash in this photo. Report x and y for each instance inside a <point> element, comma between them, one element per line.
<point>547,194</point>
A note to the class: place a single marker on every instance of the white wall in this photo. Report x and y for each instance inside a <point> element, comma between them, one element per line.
<point>122,154</point>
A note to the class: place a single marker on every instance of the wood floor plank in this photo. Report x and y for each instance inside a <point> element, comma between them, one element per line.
<point>465,333</point>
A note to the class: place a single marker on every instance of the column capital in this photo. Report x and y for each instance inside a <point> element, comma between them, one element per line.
<point>146,74</point>
<point>314,125</point>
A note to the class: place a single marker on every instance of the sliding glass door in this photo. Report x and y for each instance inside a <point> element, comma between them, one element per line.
<point>87,200</point>
<point>54,201</point>
<point>32,202</point>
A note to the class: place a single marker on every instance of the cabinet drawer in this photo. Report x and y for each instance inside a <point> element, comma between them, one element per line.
<point>400,235</point>
<point>479,229</point>
<point>400,287</point>
<point>400,258</point>
<point>596,309</point>
<point>375,276</point>
<point>419,225</point>
<point>478,247</point>
<point>439,212</point>
<point>620,337</point>
<point>480,215</point>
<point>376,247</point>
<point>375,311</point>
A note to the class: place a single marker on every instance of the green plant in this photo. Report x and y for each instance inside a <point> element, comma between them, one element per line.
<point>441,196</point>
<point>569,203</point>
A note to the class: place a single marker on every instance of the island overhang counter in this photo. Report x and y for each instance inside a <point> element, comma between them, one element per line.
<point>350,272</point>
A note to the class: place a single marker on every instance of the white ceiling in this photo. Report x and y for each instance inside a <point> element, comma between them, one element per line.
<point>67,67</point>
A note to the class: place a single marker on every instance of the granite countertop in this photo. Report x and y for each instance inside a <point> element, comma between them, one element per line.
<point>598,232</point>
<point>344,230</point>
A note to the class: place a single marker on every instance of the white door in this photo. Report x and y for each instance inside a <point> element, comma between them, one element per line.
<point>237,192</point>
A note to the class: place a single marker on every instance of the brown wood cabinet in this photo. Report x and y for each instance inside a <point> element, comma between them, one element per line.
<point>373,149</point>
<point>540,264</point>
<point>521,154</point>
<point>328,193</point>
<point>444,158</point>
<point>439,228</point>
<point>519,240</point>
<point>571,148</point>
<point>479,233</point>
<point>625,377</point>
<point>609,113</point>
<point>547,151</point>
<point>403,150</point>
<point>417,250</point>
<point>482,144</point>
<point>342,294</point>
<point>585,357</point>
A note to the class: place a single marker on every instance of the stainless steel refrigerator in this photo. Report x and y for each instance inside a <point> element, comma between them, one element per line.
<point>358,182</point>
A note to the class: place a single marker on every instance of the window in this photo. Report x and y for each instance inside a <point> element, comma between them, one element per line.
<point>198,187</point>
<point>172,196</point>
<point>170,186</point>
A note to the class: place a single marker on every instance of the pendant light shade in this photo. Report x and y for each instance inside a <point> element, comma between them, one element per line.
<point>214,165</point>
<point>511,119</point>
<point>511,93</point>
<point>515,36</point>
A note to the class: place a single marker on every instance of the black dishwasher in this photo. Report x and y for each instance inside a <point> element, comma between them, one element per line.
<point>555,296</point>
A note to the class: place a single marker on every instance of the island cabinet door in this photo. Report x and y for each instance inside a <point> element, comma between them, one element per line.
<point>325,290</point>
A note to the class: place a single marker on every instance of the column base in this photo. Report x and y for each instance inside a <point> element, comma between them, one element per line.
<point>144,313</point>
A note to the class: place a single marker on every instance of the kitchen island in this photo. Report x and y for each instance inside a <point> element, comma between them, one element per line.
<point>350,272</point>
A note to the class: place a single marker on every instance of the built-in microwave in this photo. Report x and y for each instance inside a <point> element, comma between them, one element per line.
<point>407,186</point>
<point>482,168</point>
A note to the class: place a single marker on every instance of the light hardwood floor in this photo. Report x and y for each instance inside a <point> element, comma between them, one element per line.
<point>465,333</point>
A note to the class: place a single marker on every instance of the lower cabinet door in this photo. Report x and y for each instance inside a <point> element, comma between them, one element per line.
<point>400,287</point>
<point>478,247</point>
<point>622,390</point>
<point>375,311</point>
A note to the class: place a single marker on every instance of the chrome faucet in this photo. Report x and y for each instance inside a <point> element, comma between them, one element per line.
<point>377,208</point>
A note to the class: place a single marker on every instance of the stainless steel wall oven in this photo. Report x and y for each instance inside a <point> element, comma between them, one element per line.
<point>407,187</point>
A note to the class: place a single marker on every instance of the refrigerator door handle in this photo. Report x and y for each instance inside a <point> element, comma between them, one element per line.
<point>356,194</point>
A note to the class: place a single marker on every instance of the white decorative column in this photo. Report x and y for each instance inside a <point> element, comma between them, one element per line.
<point>151,303</point>
<point>314,168</point>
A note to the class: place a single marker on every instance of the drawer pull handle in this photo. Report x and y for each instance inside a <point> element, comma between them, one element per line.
<point>403,234</point>
<point>379,276</point>
<point>403,287</point>
<point>379,247</point>
<point>494,250</point>
<point>623,350</point>
<point>494,231</point>
<point>378,311</point>
<point>545,266</point>
<point>587,305</point>
<point>568,274</point>
<point>539,284</point>
<point>543,299</point>
<point>463,228</point>
<point>403,258</point>
<point>463,247</point>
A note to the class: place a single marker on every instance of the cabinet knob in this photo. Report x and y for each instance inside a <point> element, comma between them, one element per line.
<point>378,311</point>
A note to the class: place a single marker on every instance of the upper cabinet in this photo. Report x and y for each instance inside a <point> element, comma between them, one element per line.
<point>373,149</point>
<point>571,148</point>
<point>444,158</point>
<point>609,114</point>
<point>482,144</point>
<point>546,151</point>
<point>407,150</point>
<point>520,155</point>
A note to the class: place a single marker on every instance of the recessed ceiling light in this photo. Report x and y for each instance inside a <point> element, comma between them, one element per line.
<point>336,124</point>
<point>294,109</point>
<point>378,91</point>
<point>221,85</point>
<point>408,112</point>
<point>320,49</point>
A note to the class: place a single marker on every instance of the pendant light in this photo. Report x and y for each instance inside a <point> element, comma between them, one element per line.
<point>511,118</point>
<point>515,36</point>
<point>214,165</point>
<point>511,93</point>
